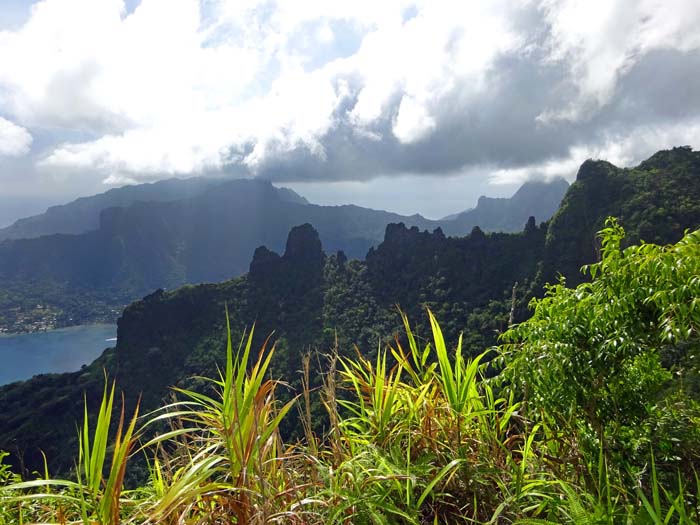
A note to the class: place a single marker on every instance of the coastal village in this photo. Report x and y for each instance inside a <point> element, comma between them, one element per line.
<point>18,320</point>
<point>40,318</point>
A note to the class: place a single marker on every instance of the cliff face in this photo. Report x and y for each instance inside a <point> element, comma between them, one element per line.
<point>146,240</point>
<point>168,337</point>
<point>468,271</point>
<point>136,249</point>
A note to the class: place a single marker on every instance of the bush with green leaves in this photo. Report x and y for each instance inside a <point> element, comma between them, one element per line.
<point>612,357</point>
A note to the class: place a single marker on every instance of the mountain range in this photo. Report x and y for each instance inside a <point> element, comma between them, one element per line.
<point>315,301</point>
<point>534,198</point>
<point>83,214</point>
<point>84,261</point>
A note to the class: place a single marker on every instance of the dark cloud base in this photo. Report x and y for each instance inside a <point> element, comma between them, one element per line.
<point>499,128</point>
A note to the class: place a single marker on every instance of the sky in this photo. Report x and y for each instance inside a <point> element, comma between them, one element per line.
<point>409,106</point>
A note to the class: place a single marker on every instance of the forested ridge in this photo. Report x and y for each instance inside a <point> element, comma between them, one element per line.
<point>86,260</point>
<point>553,437</point>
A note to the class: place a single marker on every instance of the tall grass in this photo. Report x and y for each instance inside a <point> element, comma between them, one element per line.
<point>229,459</point>
<point>418,434</point>
<point>97,495</point>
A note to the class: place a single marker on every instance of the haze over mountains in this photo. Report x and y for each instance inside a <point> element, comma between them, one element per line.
<point>83,214</point>
<point>536,198</point>
<point>539,199</point>
<point>85,260</point>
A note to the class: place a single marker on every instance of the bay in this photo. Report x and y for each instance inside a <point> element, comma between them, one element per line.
<point>62,350</point>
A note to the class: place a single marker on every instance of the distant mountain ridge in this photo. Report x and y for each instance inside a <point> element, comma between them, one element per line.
<point>209,235</point>
<point>83,214</point>
<point>534,198</point>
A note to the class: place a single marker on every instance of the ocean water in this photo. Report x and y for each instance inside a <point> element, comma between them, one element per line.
<point>63,350</point>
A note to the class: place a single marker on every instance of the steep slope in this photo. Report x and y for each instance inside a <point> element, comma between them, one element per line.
<point>83,214</point>
<point>64,279</point>
<point>538,199</point>
<point>655,202</point>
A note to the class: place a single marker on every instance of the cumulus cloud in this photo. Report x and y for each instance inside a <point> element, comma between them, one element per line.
<point>626,149</point>
<point>14,140</point>
<point>602,41</point>
<point>338,90</point>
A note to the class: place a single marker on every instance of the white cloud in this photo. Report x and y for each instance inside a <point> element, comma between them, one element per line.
<point>600,41</point>
<point>325,34</point>
<point>172,88</point>
<point>186,86</point>
<point>14,140</point>
<point>441,51</point>
<point>413,121</point>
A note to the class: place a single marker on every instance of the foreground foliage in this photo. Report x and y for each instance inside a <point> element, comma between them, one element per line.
<point>586,414</point>
<point>618,357</point>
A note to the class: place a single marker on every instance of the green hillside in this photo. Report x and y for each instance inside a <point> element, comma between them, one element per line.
<point>311,300</point>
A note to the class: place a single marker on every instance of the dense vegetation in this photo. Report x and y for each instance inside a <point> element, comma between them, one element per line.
<point>655,202</point>
<point>126,244</point>
<point>586,413</point>
<point>309,299</point>
<point>476,286</point>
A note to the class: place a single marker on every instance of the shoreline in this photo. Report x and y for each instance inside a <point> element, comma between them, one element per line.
<point>55,329</point>
<point>62,350</point>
